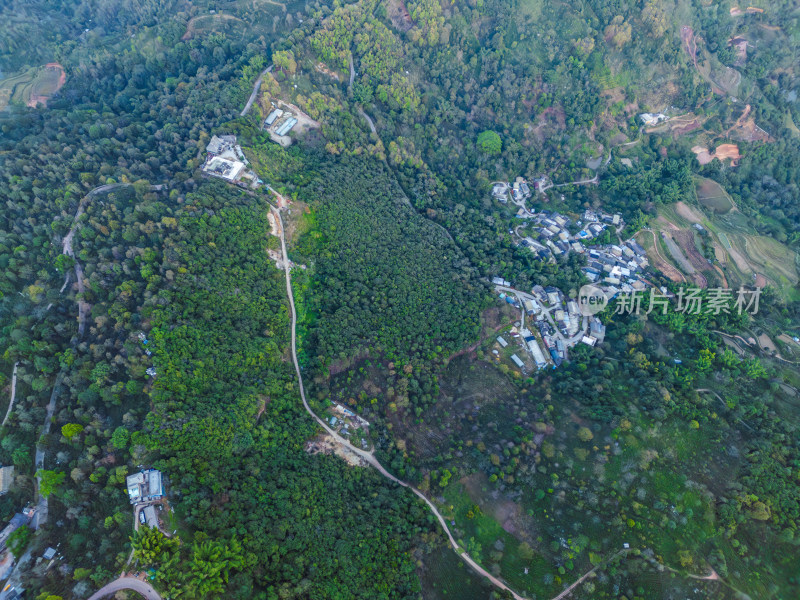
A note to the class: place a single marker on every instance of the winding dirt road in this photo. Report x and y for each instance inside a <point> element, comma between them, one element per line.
<point>352,73</point>
<point>588,574</point>
<point>83,310</point>
<point>368,457</point>
<point>368,120</point>
<point>83,307</point>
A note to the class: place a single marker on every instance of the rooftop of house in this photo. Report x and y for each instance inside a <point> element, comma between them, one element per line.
<point>6,478</point>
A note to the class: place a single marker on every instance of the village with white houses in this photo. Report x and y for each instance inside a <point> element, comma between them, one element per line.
<point>555,321</point>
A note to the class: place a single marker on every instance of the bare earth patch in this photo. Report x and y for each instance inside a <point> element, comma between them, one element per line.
<point>198,24</point>
<point>766,343</point>
<point>648,240</point>
<point>688,213</point>
<point>685,240</point>
<point>723,152</point>
<point>506,512</point>
<point>326,71</point>
<point>324,444</point>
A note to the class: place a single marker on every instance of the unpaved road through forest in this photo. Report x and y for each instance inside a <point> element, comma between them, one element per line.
<point>369,457</point>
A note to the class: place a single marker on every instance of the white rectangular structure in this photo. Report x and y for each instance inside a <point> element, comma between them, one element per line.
<point>223,168</point>
<point>538,355</point>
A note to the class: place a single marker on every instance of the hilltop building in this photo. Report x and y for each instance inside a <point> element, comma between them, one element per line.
<point>144,486</point>
<point>226,160</point>
<point>650,119</point>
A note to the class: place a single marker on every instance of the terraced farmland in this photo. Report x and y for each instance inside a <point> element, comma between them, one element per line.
<point>744,256</point>
<point>32,87</point>
<point>712,195</point>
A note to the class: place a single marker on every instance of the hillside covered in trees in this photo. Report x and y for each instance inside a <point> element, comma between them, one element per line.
<point>668,437</point>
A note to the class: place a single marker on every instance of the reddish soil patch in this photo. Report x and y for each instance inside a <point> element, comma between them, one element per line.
<point>761,281</point>
<point>723,152</point>
<point>746,129</point>
<point>53,69</point>
<point>750,132</point>
<point>687,128</point>
<point>728,151</point>
<point>689,43</point>
<point>721,273</point>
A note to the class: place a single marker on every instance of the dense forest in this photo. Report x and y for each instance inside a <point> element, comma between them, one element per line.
<point>159,251</point>
<point>663,437</point>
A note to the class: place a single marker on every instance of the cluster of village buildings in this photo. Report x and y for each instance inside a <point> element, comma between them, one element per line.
<point>226,160</point>
<point>612,266</point>
<point>24,518</point>
<point>517,192</point>
<point>617,268</point>
<point>555,325</point>
<point>550,234</point>
<point>555,320</point>
<point>343,419</point>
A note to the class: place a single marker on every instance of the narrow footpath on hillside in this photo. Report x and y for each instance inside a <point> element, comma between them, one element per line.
<point>369,457</point>
<point>588,574</point>
<point>13,392</point>
<point>41,503</point>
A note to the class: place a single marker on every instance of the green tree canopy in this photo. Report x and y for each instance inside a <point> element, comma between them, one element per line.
<point>70,430</point>
<point>490,142</point>
<point>50,480</point>
<point>18,541</point>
